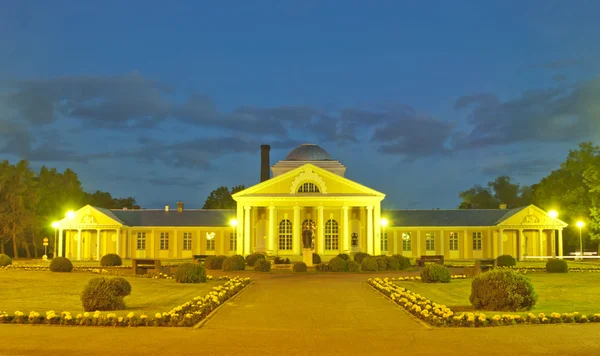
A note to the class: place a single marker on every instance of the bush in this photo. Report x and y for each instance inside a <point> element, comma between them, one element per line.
<point>502,290</point>
<point>382,264</point>
<point>122,285</point>
<point>360,256</point>
<point>101,294</point>
<point>403,262</point>
<point>392,263</point>
<point>262,265</point>
<point>252,258</point>
<point>300,267</point>
<point>369,264</point>
<point>323,267</point>
<point>506,261</point>
<point>214,262</point>
<point>5,260</point>
<point>234,263</point>
<point>190,273</point>
<point>112,259</point>
<point>434,273</point>
<point>344,256</point>
<point>281,261</point>
<point>316,259</point>
<point>61,264</point>
<point>352,266</point>
<point>557,266</point>
<point>337,264</point>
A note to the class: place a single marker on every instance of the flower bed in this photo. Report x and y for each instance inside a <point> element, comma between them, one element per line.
<point>440,315</point>
<point>28,267</point>
<point>187,314</point>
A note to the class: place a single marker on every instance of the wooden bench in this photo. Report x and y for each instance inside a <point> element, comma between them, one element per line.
<point>486,264</point>
<point>199,258</point>
<point>144,264</point>
<point>439,259</point>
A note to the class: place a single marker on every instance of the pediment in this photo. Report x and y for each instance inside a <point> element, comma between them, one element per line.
<point>89,216</point>
<point>532,216</point>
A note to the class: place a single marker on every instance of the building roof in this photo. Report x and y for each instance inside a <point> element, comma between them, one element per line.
<point>201,217</point>
<point>457,217</point>
<point>308,152</point>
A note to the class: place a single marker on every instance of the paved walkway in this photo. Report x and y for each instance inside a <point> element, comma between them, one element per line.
<point>290,314</point>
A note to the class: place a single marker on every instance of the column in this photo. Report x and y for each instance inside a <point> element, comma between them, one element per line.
<point>98,252</point>
<point>79,245</point>
<point>462,244</point>
<point>377,232</point>
<point>320,230</point>
<point>442,238</point>
<point>541,249</point>
<point>271,234</point>
<point>239,245</point>
<point>296,238</point>
<point>346,230</point>
<point>247,210</point>
<point>500,243</point>
<point>175,245</point>
<point>60,243</point>
<point>119,242</point>
<point>560,244</point>
<point>521,245</point>
<point>370,249</point>
<point>553,244</point>
<point>395,242</point>
<point>493,252</point>
<point>418,251</point>
<point>152,246</point>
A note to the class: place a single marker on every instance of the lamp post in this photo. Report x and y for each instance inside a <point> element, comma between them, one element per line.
<point>233,223</point>
<point>553,214</point>
<point>383,222</point>
<point>580,224</point>
<point>55,225</point>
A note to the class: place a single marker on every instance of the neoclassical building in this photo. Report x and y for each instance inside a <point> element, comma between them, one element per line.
<point>308,186</point>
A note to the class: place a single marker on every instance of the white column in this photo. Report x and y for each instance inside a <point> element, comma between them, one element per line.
<point>419,252</point>
<point>521,245</point>
<point>370,249</point>
<point>462,244</point>
<point>553,243</point>
<point>501,243</point>
<point>271,234</point>
<point>98,252</point>
<point>395,242</point>
<point>541,248</point>
<point>119,242</point>
<point>560,244</point>
<point>60,243</point>
<point>175,245</point>
<point>442,238</point>
<point>238,229</point>
<point>79,245</point>
<point>296,238</point>
<point>346,232</point>
<point>377,232</point>
<point>247,210</point>
<point>320,230</point>
<point>152,246</point>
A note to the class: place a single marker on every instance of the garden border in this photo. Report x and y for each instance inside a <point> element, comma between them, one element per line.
<point>414,318</point>
<point>214,311</point>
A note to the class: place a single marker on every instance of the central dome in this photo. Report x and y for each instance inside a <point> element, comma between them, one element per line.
<point>308,152</point>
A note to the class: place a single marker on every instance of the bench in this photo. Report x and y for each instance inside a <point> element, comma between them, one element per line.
<point>482,265</point>
<point>144,264</point>
<point>199,258</point>
<point>439,259</point>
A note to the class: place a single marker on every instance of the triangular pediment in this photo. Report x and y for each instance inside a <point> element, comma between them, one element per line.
<point>532,216</point>
<point>90,216</point>
<point>289,183</point>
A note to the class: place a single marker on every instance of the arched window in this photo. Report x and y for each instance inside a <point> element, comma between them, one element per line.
<point>331,235</point>
<point>308,188</point>
<point>285,235</point>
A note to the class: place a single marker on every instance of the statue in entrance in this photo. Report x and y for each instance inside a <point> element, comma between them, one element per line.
<point>308,233</point>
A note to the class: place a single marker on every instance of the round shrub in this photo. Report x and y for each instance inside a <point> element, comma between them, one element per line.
<point>300,267</point>
<point>122,285</point>
<point>234,263</point>
<point>506,261</point>
<point>360,256</point>
<point>434,273</point>
<point>352,266</point>
<point>502,290</point>
<point>214,262</point>
<point>111,259</point>
<point>61,264</point>
<point>316,259</point>
<point>252,258</point>
<point>392,263</point>
<point>190,273</point>
<point>344,256</point>
<point>403,262</point>
<point>262,265</point>
<point>5,260</point>
<point>369,264</point>
<point>382,264</point>
<point>323,267</point>
<point>101,294</point>
<point>337,264</point>
<point>557,266</point>
<point>281,261</point>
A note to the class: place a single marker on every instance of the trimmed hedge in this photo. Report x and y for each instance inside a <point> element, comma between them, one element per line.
<point>403,262</point>
<point>392,263</point>
<point>61,264</point>
<point>344,256</point>
<point>360,256</point>
<point>262,265</point>
<point>252,258</point>
<point>323,267</point>
<point>434,273</point>
<point>5,260</point>
<point>316,258</point>
<point>190,273</point>
<point>352,266</point>
<point>502,290</point>
<point>101,294</point>
<point>281,261</point>
<point>123,286</point>
<point>557,266</point>
<point>369,264</point>
<point>234,263</point>
<point>300,267</point>
<point>214,262</point>
<point>337,264</point>
<point>506,261</point>
<point>382,263</point>
<point>111,259</point>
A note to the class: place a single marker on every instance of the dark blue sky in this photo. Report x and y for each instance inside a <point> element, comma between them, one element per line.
<point>420,101</point>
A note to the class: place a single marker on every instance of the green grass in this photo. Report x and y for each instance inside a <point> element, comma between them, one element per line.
<point>560,292</point>
<point>42,291</point>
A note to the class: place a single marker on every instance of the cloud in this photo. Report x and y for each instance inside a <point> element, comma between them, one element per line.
<point>559,77</point>
<point>559,64</point>
<point>525,167</point>
<point>176,181</point>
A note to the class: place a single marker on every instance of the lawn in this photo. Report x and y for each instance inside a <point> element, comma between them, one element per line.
<point>43,291</point>
<point>560,292</point>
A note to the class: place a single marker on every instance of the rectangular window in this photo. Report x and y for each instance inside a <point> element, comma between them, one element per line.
<point>210,242</point>
<point>430,241</point>
<point>141,241</point>
<point>384,241</point>
<point>453,241</point>
<point>406,241</point>
<point>164,240</point>
<point>477,241</point>
<point>232,242</point>
<point>187,240</point>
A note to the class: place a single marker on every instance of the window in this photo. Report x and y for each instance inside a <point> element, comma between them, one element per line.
<point>331,235</point>
<point>384,241</point>
<point>232,241</point>
<point>354,239</point>
<point>308,188</point>
<point>210,241</point>
<point>430,241</point>
<point>141,240</point>
<point>164,240</point>
<point>187,240</point>
<point>285,235</point>
<point>454,241</point>
<point>406,241</point>
<point>477,241</point>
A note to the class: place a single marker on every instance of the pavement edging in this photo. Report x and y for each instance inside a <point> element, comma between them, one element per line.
<point>419,321</point>
<point>214,311</point>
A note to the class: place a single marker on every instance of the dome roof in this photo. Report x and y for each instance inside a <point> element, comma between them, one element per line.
<point>308,152</point>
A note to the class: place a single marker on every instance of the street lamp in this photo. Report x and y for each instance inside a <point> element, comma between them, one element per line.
<point>553,214</point>
<point>580,224</point>
<point>233,223</point>
<point>55,225</point>
<point>383,222</point>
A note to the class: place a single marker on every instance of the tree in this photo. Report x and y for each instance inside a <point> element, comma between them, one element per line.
<point>477,197</point>
<point>499,191</point>
<point>220,198</point>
